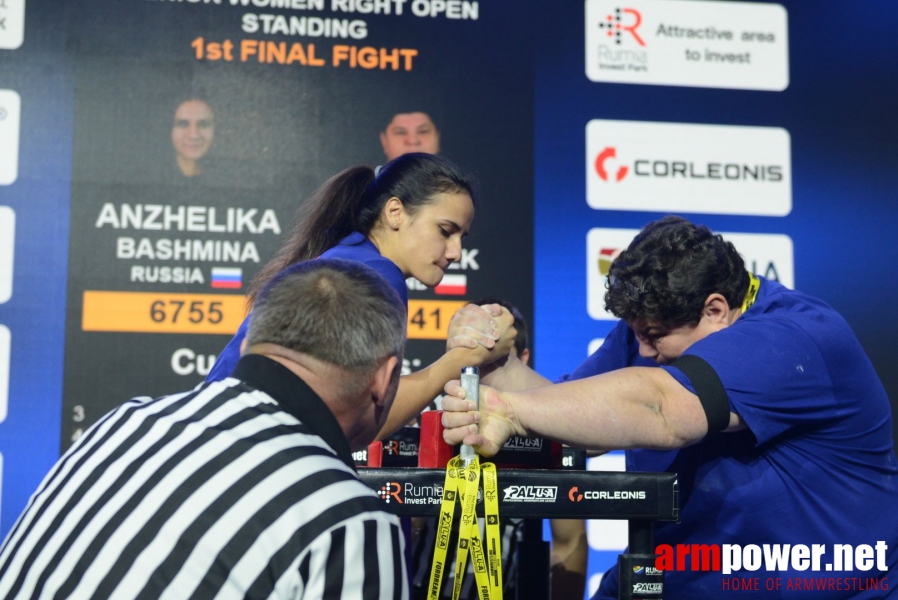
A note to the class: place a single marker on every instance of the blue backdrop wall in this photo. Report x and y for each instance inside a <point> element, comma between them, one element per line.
<point>838,109</point>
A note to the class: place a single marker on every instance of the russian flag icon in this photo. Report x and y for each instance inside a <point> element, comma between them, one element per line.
<point>227,278</point>
<point>452,285</point>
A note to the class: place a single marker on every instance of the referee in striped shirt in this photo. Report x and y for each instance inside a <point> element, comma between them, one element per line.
<point>240,488</point>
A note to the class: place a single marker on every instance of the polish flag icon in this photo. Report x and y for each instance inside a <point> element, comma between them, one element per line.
<point>452,285</point>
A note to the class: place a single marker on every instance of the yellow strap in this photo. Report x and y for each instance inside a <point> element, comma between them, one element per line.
<point>487,565</point>
<point>754,284</point>
<point>444,528</point>
<point>493,532</point>
<point>468,523</point>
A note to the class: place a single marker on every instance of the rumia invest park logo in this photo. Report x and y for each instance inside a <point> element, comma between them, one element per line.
<point>400,448</point>
<point>623,20</point>
<point>391,490</point>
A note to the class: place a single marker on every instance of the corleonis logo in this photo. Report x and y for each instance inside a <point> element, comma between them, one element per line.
<point>602,170</point>
<point>685,169</point>
<point>574,495</point>
<point>688,167</point>
<point>390,490</point>
<point>623,20</point>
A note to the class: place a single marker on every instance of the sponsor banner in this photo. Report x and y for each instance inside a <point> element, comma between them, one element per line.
<point>7,251</point>
<point>735,45</point>
<point>410,493</point>
<point>12,24</point>
<point>602,247</point>
<point>5,344</point>
<point>769,255</point>
<point>537,493</point>
<point>530,493</point>
<point>766,254</point>
<point>688,168</point>
<point>524,444</point>
<point>10,112</point>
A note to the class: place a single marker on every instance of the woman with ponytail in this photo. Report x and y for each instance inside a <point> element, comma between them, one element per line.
<point>405,219</point>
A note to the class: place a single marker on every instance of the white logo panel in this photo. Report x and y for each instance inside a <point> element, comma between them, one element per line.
<point>688,168</point>
<point>5,339</point>
<point>767,254</point>
<point>7,246</point>
<point>12,24</point>
<point>602,247</point>
<point>607,535</point>
<point>734,45</point>
<point>10,109</point>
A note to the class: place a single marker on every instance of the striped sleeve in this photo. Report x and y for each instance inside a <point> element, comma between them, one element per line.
<point>361,558</point>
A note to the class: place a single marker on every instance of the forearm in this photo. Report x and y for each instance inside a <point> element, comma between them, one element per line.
<point>418,389</point>
<point>628,408</point>
<point>569,555</point>
<point>514,376</point>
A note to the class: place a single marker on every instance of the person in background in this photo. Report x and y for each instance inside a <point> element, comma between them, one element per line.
<point>410,132</point>
<point>569,545</point>
<point>405,219</point>
<point>243,488</point>
<point>760,398</point>
<point>192,134</point>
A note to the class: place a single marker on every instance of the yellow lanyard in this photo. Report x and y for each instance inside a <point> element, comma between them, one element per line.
<point>487,567</point>
<point>754,284</point>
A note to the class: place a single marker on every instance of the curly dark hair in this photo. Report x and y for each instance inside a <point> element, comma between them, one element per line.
<point>669,270</point>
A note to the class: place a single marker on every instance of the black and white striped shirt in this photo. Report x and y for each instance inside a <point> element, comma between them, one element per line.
<point>240,488</point>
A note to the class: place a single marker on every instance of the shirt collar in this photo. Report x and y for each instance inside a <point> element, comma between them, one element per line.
<point>296,397</point>
<point>354,239</point>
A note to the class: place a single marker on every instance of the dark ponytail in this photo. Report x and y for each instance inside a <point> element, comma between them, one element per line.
<point>353,199</point>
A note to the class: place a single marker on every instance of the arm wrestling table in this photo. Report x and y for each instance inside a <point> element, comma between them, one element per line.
<point>640,498</point>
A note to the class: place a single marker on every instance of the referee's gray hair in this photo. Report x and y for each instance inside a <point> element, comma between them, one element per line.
<point>338,311</point>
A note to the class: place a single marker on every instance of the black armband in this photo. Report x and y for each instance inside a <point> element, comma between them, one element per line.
<point>708,388</point>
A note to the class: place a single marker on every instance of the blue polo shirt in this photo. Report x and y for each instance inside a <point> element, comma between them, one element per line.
<point>815,466</point>
<point>354,247</point>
